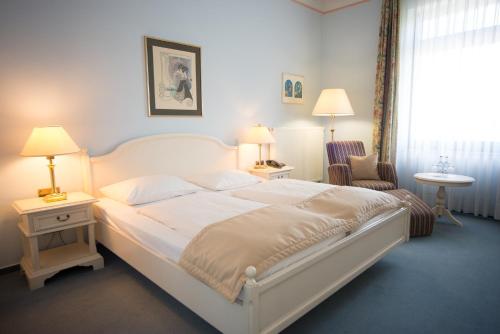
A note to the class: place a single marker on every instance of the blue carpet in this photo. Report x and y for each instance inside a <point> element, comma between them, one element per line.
<point>446,283</point>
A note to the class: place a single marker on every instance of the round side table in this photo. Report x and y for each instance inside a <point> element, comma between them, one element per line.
<point>442,181</point>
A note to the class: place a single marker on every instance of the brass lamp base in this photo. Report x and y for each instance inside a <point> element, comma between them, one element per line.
<point>47,191</point>
<point>259,163</point>
<point>55,197</point>
<point>52,194</point>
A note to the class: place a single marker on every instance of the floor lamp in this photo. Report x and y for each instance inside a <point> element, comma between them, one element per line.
<point>333,102</point>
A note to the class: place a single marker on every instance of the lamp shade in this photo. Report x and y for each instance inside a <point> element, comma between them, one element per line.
<point>333,102</point>
<point>258,135</point>
<point>49,141</point>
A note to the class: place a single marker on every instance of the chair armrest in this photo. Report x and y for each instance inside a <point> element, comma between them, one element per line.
<point>387,172</point>
<point>340,174</point>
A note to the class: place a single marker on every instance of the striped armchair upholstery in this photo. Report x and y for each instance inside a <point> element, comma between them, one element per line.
<point>339,170</point>
<point>339,151</point>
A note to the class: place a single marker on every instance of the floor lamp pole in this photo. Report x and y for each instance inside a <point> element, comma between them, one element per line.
<point>332,130</point>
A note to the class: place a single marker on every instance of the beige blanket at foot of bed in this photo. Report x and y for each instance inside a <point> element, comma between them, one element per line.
<point>221,252</point>
<point>351,203</point>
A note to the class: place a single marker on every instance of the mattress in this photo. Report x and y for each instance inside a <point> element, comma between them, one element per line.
<point>169,240</point>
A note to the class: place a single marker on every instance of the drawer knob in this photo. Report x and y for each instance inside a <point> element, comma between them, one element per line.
<point>63,218</point>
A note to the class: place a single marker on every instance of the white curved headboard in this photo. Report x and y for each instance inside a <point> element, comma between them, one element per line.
<point>173,154</point>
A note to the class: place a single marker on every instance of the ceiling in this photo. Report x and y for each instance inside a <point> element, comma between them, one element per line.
<point>328,6</point>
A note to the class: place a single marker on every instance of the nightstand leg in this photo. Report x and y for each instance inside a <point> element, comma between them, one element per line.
<point>98,264</point>
<point>37,282</point>
<point>79,235</point>
<point>92,247</point>
<point>34,256</point>
<point>26,245</point>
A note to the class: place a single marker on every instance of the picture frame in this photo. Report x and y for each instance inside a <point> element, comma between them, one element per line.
<point>173,77</point>
<point>292,88</point>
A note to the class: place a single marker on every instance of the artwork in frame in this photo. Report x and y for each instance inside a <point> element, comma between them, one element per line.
<point>173,78</point>
<point>292,88</point>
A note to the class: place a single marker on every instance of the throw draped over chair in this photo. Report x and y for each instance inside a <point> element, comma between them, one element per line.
<point>340,173</point>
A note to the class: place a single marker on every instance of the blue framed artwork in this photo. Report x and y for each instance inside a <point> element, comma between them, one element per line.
<point>292,88</point>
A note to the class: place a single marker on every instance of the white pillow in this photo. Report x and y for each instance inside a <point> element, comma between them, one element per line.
<point>147,189</point>
<point>225,180</point>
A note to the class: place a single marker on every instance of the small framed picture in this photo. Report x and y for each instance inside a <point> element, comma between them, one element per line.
<point>173,78</point>
<point>292,88</point>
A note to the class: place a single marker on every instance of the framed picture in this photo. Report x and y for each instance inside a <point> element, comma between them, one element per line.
<point>292,88</point>
<point>173,78</point>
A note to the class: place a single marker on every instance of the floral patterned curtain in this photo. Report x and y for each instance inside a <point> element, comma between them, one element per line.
<point>384,111</point>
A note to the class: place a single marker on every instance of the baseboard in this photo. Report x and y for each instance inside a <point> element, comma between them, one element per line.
<point>9,269</point>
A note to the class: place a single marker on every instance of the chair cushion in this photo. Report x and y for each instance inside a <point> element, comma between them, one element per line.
<point>374,184</point>
<point>422,218</point>
<point>364,168</point>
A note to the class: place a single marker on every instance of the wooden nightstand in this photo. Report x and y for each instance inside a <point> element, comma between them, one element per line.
<point>271,173</point>
<point>38,218</point>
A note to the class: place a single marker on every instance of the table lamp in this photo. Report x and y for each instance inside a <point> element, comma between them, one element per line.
<point>333,102</point>
<point>259,135</point>
<point>48,142</point>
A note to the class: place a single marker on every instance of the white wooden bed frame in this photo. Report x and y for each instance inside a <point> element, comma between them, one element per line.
<point>268,305</point>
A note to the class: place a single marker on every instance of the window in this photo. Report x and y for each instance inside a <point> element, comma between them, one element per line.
<point>449,95</point>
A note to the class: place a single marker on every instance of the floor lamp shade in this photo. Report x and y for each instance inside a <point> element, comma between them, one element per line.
<point>333,102</point>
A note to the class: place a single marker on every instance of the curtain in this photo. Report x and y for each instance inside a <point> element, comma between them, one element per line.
<point>449,98</point>
<point>384,115</point>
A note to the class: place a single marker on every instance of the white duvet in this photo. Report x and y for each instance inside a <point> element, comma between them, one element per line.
<point>188,215</point>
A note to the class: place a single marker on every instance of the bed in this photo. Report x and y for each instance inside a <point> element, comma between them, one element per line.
<point>266,304</point>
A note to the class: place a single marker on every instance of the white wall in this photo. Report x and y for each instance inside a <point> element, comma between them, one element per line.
<point>80,64</point>
<point>349,59</point>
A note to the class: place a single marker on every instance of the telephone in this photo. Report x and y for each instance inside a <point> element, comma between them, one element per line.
<point>275,164</point>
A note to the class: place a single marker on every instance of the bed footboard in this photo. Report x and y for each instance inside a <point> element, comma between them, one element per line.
<point>278,300</point>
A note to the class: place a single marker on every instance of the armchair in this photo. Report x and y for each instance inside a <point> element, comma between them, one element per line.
<point>340,173</point>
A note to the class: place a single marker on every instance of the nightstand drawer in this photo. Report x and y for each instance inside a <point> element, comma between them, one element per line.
<point>280,176</point>
<point>62,217</point>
